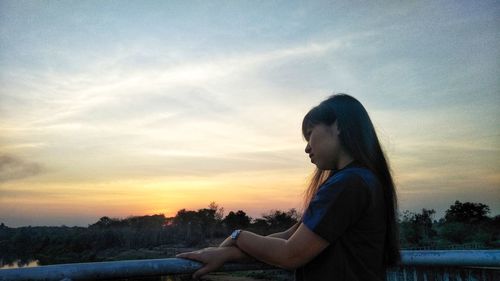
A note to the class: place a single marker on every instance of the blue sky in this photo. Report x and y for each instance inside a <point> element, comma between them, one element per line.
<point>137,107</point>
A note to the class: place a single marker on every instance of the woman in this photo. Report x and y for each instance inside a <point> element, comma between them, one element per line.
<point>349,229</point>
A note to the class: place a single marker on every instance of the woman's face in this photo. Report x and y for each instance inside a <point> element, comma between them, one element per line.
<point>323,146</point>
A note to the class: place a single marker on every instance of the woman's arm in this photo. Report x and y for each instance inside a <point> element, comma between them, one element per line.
<point>283,235</point>
<point>287,233</point>
<point>239,256</point>
<point>299,249</point>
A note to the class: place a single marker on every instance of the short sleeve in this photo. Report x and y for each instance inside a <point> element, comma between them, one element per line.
<point>339,203</point>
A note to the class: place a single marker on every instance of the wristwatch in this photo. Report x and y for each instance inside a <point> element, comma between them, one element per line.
<point>235,234</point>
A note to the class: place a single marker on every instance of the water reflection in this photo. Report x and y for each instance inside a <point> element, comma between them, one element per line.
<point>19,263</point>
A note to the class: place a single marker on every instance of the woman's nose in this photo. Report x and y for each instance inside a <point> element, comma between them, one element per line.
<point>308,148</point>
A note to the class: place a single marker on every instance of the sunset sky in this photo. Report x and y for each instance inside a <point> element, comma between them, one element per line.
<point>120,108</point>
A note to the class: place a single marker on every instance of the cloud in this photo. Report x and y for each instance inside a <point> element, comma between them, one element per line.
<point>116,85</point>
<point>12,168</point>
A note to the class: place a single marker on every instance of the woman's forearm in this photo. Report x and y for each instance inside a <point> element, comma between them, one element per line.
<point>237,255</point>
<point>270,250</point>
<point>277,240</point>
<point>282,235</point>
<point>285,234</point>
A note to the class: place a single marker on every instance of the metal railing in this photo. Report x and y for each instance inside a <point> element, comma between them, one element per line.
<point>415,264</point>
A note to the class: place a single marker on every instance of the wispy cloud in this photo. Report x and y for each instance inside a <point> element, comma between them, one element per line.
<point>12,168</point>
<point>116,87</point>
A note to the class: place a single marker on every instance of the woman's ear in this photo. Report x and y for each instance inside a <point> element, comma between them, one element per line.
<point>335,129</point>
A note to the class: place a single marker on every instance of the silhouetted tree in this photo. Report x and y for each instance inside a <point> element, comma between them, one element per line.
<point>238,220</point>
<point>106,222</point>
<point>186,223</point>
<point>416,228</point>
<point>456,232</point>
<point>207,221</point>
<point>467,212</point>
<point>279,220</point>
<point>144,222</point>
<point>219,211</point>
<point>259,226</point>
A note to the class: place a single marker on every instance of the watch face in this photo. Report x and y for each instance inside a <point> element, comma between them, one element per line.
<point>235,233</point>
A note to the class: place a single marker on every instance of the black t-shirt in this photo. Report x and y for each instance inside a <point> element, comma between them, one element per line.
<point>349,212</point>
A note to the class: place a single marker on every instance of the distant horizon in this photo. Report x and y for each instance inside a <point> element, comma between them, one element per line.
<point>117,108</point>
<point>436,216</point>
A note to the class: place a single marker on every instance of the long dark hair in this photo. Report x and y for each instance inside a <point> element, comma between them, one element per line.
<point>359,139</point>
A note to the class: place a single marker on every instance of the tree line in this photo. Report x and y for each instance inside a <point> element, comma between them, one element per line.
<point>464,223</point>
<point>109,236</point>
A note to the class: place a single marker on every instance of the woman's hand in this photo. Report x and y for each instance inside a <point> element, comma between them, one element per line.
<point>213,258</point>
